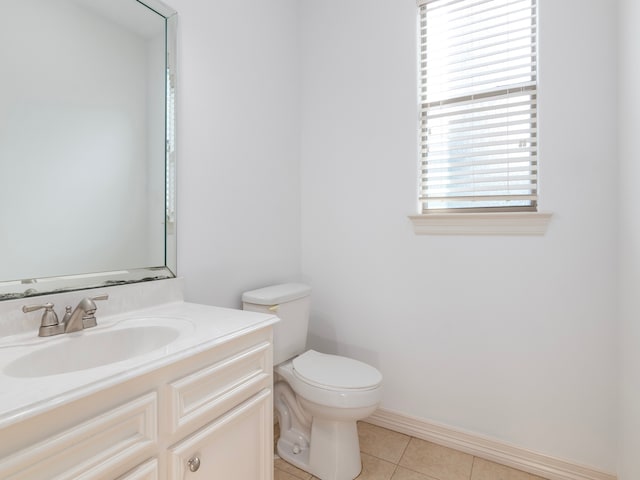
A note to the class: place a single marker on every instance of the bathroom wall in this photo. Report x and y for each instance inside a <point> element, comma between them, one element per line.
<point>513,338</point>
<point>629,251</point>
<point>508,337</point>
<point>238,147</point>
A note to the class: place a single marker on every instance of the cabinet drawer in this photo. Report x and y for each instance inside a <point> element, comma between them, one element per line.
<point>206,394</point>
<point>91,450</point>
<point>146,471</point>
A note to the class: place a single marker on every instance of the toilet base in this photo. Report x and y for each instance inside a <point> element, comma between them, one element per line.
<point>287,451</point>
<point>317,439</point>
<point>338,442</point>
<point>333,453</point>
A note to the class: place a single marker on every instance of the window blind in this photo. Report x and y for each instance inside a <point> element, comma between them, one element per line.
<point>478,98</point>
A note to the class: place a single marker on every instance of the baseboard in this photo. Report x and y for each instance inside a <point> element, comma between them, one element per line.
<point>531,462</point>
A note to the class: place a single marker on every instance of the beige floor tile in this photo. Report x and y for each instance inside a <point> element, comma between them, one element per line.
<point>282,475</point>
<point>416,459</point>
<point>375,468</point>
<point>285,467</point>
<point>402,473</point>
<point>382,443</point>
<point>436,461</point>
<point>486,470</point>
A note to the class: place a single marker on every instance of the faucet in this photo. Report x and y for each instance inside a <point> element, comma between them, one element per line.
<point>82,317</point>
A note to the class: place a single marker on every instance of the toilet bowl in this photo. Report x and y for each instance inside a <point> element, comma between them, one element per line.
<point>318,398</point>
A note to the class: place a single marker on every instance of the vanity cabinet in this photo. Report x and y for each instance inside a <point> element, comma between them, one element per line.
<point>207,415</point>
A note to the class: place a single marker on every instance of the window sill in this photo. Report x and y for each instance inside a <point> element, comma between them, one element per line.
<point>505,223</point>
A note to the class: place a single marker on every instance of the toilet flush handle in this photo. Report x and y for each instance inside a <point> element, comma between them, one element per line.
<point>274,308</point>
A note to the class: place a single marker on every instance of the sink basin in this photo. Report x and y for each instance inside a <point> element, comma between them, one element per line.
<point>92,349</point>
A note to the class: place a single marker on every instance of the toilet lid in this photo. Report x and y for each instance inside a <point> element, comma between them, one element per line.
<point>333,371</point>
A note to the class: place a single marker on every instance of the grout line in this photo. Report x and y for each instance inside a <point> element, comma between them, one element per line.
<point>404,450</point>
<point>473,464</point>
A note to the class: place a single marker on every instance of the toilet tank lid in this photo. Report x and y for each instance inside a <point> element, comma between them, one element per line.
<point>275,294</point>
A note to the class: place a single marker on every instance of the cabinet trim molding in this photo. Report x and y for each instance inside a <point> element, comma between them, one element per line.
<point>93,448</point>
<point>146,471</point>
<point>213,390</point>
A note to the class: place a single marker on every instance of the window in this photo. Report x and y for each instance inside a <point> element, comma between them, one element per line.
<point>478,98</point>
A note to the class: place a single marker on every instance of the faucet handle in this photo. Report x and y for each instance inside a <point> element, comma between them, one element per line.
<point>49,324</point>
<point>102,296</point>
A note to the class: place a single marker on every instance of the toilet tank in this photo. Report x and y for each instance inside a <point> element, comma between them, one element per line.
<point>291,303</point>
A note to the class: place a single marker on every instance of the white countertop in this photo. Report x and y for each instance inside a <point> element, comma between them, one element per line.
<point>201,327</point>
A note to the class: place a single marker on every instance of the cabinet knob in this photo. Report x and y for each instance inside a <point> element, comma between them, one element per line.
<point>193,463</point>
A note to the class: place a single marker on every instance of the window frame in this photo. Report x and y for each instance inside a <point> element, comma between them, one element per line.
<point>479,220</point>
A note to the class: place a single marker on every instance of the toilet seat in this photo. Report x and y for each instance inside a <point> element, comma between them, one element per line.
<point>361,394</point>
<point>333,372</point>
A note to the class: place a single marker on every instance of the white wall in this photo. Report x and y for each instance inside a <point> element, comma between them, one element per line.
<point>238,147</point>
<point>529,361</point>
<point>629,122</point>
<point>513,338</point>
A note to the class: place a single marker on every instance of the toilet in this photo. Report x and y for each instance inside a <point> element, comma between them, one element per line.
<point>317,397</point>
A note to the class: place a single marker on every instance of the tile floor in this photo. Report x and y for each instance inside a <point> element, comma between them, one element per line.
<point>389,455</point>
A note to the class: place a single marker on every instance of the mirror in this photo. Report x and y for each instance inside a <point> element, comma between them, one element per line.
<point>87,144</point>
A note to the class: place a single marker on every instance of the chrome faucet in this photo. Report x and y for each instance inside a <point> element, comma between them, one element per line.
<point>82,317</point>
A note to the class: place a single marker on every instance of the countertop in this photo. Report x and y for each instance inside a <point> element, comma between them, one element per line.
<point>202,327</point>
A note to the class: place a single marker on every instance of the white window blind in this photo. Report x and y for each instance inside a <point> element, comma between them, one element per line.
<point>478,94</point>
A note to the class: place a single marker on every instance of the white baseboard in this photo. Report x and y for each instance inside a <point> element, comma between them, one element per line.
<point>522,459</point>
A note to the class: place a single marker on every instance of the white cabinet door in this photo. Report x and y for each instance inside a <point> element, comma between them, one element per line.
<point>238,446</point>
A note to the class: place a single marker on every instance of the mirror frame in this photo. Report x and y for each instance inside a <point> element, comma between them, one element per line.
<point>33,287</point>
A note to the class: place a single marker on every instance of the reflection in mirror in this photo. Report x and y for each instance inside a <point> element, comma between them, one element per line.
<point>87,160</point>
